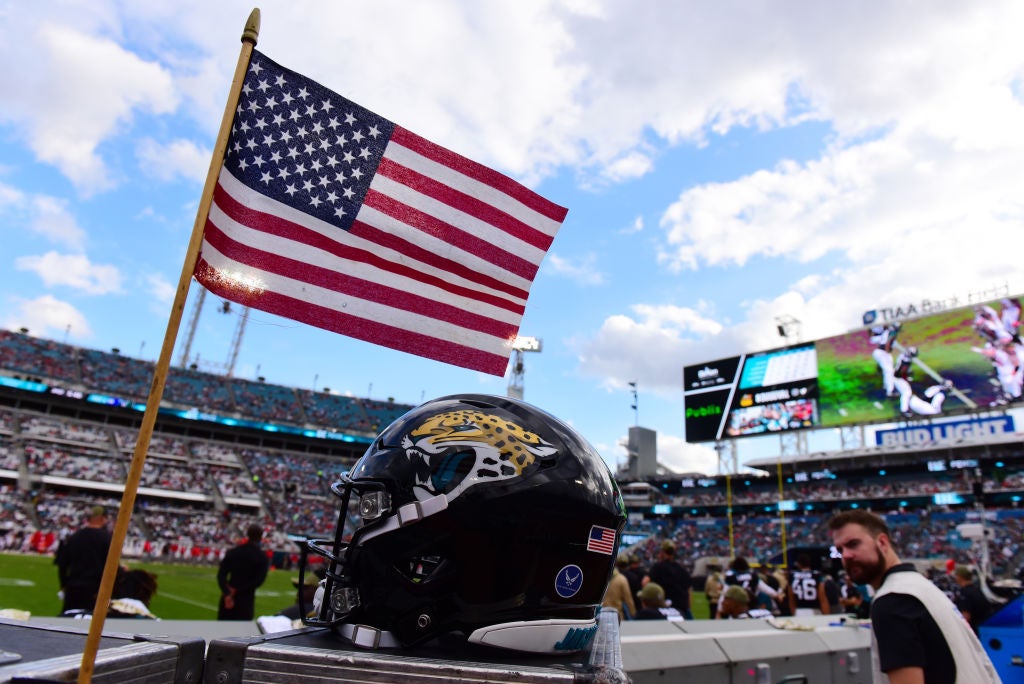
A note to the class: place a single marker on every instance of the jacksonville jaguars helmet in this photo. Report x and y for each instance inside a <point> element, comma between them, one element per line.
<point>476,516</point>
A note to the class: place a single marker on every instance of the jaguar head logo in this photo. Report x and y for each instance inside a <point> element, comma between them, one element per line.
<point>455,450</point>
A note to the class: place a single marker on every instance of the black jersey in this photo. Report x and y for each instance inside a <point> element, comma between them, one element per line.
<point>805,585</point>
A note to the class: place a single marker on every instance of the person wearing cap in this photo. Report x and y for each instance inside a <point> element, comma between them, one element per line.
<point>617,595</point>
<point>241,572</point>
<point>80,561</point>
<point>635,574</point>
<point>714,584</point>
<point>970,600</point>
<point>304,594</point>
<point>735,603</point>
<point>673,578</point>
<point>652,604</point>
<point>742,575</point>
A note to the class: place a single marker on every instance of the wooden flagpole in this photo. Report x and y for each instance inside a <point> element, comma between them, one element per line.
<point>249,36</point>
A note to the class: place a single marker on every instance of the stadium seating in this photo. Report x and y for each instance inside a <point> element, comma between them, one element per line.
<point>199,492</point>
<point>324,408</point>
<point>37,359</point>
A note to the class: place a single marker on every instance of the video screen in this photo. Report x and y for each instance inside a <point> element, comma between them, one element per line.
<point>773,391</point>
<point>968,359</point>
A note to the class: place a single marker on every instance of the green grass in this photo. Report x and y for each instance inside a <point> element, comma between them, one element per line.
<point>699,606</point>
<point>186,592</point>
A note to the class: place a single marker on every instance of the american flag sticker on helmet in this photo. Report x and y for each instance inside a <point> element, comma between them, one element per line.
<point>601,540</point>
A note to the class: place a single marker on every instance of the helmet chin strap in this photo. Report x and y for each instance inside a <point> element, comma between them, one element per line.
<point>365,636</point>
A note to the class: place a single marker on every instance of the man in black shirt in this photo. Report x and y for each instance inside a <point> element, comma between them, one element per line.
<point>242,570</point>
<point>972,603</point>
<point>673,578</point>
<point>80,560</point>
<point>918,636</point>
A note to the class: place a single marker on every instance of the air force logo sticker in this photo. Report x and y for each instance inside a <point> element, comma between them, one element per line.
<point>568,581</point>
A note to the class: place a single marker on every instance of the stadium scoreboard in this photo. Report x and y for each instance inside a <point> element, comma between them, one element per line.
<point>952,361</point>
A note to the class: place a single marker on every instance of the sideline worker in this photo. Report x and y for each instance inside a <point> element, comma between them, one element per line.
<point>917,634</point>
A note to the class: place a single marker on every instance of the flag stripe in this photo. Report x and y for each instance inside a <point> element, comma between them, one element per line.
<point>463,203</point>
<point>249,260</point>
<point>428,345</point>
<point>540,228</point>
<point>487,176</point>
<point>466,242</point>
<point>277,236</point>
<point>410,184</point>
<point>383,230</point>
<point>252,282</point>
<point>387,238</point>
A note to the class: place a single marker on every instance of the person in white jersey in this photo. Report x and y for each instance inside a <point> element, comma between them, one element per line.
<point>918,635</point>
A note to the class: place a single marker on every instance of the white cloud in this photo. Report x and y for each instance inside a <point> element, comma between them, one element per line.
<point>628,166</point>
<point>176,159</point>
<point>583,271</point>
<point>649,347</point>
<point>161,289</point>
<point>81,89</point>
<point>675,453</point>
<point>51,219</point>
<point>43,215</point>
<point>49,317</point>
<point>603,85</point>
<point>72,270</point>
<point>635,227</point>
<point>10,196</point>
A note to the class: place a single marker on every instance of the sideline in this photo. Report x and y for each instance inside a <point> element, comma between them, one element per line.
<point>16,582</point>
<point>182,599</point>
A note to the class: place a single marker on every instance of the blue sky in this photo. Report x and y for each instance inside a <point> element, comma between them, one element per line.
<point>722,165</point>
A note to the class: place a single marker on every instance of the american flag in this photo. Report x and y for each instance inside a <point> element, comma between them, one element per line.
<point>329,214</point>
<point>602,540</point>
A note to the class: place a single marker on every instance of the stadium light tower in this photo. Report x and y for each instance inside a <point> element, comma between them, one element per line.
<point>236,342</point>
<point>193,323</point>
<point>519,346</point>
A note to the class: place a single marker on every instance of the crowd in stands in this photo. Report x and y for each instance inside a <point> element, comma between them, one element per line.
<point>841,489</point>
<point>189,387</point>
<point>53,429</point>
<point>286,492</point>
<point>381,414</point>
<point>920,535</point>
<point>324,408</point>
<point>159,445</point>
<point>37,358</point>
<point>78,463</point>
<point>290,493</point>
<point>115,375</point>
<point>273,402</point>
<point>283,475</point>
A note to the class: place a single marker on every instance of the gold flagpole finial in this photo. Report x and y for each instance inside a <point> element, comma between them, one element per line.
<point>252,27</point>
<point>251,32</point>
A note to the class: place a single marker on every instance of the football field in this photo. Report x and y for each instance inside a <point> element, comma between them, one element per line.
<point>185,592</point>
